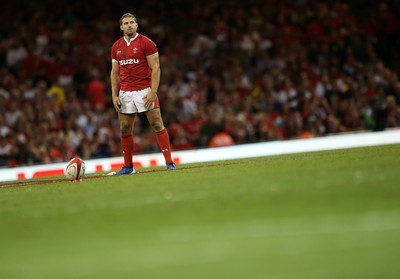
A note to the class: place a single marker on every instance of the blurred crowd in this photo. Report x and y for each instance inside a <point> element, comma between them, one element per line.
<point>232,72</point>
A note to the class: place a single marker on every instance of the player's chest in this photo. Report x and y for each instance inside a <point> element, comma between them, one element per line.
<point>133,51</point>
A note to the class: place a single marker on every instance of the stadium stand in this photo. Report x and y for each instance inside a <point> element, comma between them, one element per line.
<point>256,70</point>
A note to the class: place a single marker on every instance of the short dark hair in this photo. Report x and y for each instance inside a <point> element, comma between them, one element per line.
<point>125,16</point>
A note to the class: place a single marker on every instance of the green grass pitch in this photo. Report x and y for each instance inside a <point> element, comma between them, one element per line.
<point>331,214</point>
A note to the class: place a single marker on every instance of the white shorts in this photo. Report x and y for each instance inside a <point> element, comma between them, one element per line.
<point>133,101</point>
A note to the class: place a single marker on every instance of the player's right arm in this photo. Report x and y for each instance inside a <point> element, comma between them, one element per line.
<point>115,84</point>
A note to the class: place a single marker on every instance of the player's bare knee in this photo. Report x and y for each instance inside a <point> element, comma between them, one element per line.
<point>124,126</point>
<point>157,126</point>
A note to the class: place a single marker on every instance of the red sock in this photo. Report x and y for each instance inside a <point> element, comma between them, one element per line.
<point>127,149</point>
<point>163,142</point>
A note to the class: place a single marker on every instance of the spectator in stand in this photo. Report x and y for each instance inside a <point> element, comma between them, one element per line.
<point>7,152</point>
<point>16,52</point>
<point>221,139</point>
<point>181,141</point>
<point>210,127</point>
<point>96,91</point>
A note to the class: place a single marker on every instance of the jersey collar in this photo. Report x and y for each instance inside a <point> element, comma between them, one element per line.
<point>131,40</point>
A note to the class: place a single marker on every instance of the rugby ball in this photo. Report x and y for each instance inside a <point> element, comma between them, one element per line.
<point>75,169</point>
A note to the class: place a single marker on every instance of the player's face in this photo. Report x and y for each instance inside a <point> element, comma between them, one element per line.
<point>129,26</point>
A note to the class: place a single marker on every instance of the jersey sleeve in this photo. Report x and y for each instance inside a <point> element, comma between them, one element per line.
<point>113,53</point>
<point>150,47</point>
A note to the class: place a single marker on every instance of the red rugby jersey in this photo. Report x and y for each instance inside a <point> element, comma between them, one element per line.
<point>135,73</point>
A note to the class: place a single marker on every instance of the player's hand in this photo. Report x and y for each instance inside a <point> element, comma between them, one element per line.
<point>117,103</point>
<point>149,100</point>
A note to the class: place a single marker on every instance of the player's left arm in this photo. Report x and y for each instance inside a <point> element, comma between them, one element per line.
<point>154,63</point>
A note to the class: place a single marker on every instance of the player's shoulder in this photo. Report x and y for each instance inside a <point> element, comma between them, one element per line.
<point>144,38</point>
<point>118,42</point>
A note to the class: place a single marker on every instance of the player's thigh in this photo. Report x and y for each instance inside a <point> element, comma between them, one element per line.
<point>155,119</point>
<point>128,103</point>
